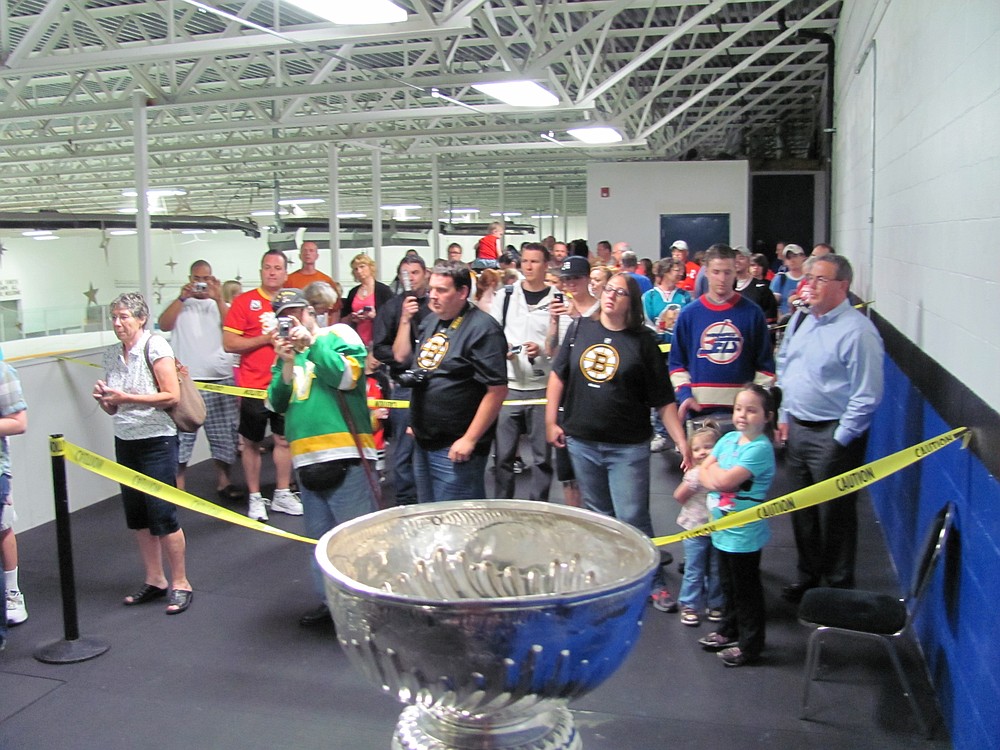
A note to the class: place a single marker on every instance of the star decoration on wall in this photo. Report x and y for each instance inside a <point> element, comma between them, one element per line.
<point>238,277</point>
<point>171,263</point>
<point>91,294</point>
<point>158,283</point>
<point>159,298</point>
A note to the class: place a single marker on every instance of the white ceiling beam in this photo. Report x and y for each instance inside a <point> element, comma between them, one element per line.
<point>791,31</point>
<point>141,53</point>
<point>704,56</point>
<point>751,102</point>
<point>642,58</point>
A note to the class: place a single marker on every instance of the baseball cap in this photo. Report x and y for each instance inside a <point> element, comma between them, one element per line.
<point>574,266</point>
<point>680,245</point>
<point>794,249</point>
<point>743,250</point>
<point>288,298</point>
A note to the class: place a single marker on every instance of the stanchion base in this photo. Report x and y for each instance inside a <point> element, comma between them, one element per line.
<point>70,652</point>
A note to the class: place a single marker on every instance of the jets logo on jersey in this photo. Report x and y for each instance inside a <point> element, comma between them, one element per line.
<point>432,351</point>
<point>599,363</point>
<point>721,343</point>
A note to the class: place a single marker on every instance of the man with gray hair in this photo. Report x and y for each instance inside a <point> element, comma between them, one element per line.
<point>630,266</point>
<point>831,379</point>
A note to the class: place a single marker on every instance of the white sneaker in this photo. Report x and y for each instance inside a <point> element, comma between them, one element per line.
<point>286,501</point>
<point>16,611</point>
<point>658,444</point>
<point>257,511</point>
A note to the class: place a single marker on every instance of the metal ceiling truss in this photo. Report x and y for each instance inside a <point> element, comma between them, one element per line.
<point>260,92</point>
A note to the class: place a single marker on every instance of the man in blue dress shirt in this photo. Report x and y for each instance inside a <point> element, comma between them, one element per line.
<point>831,376</point>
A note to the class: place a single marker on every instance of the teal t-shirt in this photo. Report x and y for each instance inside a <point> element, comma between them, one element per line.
<point>757,457</point>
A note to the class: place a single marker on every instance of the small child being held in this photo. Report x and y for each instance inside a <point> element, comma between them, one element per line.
<point>701,585</point>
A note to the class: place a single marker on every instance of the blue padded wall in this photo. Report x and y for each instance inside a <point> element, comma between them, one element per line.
<point>958,625</point>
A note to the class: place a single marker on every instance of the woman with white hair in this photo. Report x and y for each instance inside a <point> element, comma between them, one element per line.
<point>139,385</point>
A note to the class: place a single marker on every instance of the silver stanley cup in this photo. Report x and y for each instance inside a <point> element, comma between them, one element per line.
<point>486,617</point>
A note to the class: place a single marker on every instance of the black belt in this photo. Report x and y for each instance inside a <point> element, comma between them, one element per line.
<point>814,425</point>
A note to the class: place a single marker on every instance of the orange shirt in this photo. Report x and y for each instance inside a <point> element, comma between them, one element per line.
<point>300,280</point>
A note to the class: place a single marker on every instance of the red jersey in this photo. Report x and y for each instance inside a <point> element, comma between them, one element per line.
<point>690,274</point>
<point>243,319</point>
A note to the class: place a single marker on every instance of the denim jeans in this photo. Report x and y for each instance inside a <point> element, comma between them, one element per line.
<point>701,583</point>
<point>440,478</point>
<point>614,480</point>
<point>321,511</point>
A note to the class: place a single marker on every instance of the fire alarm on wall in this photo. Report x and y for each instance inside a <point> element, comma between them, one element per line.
<point>605,192</point>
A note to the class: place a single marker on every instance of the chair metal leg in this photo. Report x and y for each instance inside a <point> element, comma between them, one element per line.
<point>812,663</point>
<point>890,646</point>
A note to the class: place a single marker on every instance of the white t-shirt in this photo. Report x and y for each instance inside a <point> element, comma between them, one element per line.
<point>197,340</point>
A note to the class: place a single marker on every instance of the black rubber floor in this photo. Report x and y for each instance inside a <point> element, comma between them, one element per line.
<point>236,671</point>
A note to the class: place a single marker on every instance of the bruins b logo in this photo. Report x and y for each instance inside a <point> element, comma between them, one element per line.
<point>432,351</point>
<point>599,363</point>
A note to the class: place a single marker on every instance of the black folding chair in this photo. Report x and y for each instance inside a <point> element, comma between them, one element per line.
<point>872,615</point>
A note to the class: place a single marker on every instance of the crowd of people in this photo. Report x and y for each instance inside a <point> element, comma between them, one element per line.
<point>549,361</point>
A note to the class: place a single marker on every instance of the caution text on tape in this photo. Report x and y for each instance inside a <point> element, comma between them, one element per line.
<point>828,489</point>
<point>130,478</point>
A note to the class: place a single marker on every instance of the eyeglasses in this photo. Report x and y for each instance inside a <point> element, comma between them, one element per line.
<point>616,291</point>
<point>818,280</point>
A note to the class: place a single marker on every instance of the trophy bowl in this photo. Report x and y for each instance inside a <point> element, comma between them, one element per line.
<point>486,617</point>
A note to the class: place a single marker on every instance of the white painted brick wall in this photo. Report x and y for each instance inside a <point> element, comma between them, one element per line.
<point>936,270</point>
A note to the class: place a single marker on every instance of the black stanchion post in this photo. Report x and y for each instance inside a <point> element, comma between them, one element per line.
<point>72,648</point>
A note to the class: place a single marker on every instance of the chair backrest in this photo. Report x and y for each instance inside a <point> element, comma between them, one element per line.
<point>932,549</point>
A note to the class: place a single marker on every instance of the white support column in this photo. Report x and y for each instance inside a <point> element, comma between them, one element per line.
<point>565,217</point>
<point>435,208</point>
<point>377,207</point>
<point>552,210</point>
<point>142,223</point>
<point>333,200</point>
<point>502,199</point>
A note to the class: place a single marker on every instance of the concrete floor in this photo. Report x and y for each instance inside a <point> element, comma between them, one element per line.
<point>236,670</point>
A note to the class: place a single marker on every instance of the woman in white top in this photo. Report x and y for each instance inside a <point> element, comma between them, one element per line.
<point>140,383</point>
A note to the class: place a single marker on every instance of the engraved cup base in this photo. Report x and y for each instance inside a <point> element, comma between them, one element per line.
<point>420,728</point>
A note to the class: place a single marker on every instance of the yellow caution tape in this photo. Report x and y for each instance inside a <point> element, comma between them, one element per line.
<point>828,489</point>
<point>81,362</point>
<point>858,306</point>
<point>130,478</point>
<point>381,403</point>
<point>231,390</point>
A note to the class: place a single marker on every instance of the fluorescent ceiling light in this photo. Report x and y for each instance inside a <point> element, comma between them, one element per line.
<point>193,231</point>
<point>128,210</point>
<point>350,216</point>
<point>269,212</point>
<point>155,192</point>
<point>36,233</point>
<point>46,237</point>
<point>353,12</point>
<point>461,211</point>
<point>121,232</point>
<point>400,207</point>
<point>300,201</point>
<point>544,216</point>
<point>596,135</point>
<point>505,214</point>
<point>519,93</point>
